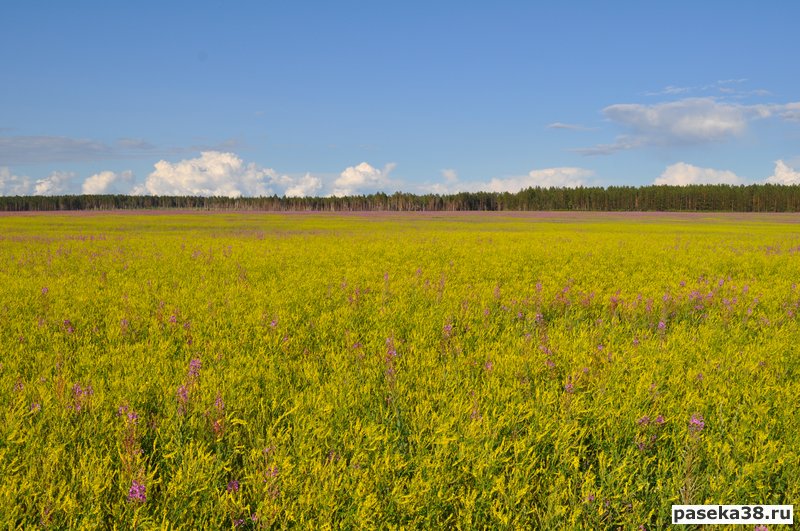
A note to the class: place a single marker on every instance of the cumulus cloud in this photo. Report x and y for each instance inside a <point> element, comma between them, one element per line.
<point>564,177</point>
<point>685,122</point>
<point>362,178</point>
<point>784,174</point>
<point>57,183</point>
<point>683,174</point>
<point>11,184</point>
<point>216,173</point>
<point>213,173</point>
<point>305,186</point>
<point>107,182</point>
<point>560,177</point>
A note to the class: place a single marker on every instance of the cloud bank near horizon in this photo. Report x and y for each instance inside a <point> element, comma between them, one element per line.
<point>216,173</point>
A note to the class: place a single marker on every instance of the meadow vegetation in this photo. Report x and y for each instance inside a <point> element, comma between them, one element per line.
<point>395,371</point>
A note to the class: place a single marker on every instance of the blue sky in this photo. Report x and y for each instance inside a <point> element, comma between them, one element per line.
<point>321,98</point>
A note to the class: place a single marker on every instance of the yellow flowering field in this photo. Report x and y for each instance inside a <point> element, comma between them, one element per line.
<point>470,370</point>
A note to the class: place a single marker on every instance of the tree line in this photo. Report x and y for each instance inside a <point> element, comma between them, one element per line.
<point>663,198</point>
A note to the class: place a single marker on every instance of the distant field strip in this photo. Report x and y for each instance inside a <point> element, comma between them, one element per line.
<point>539,371</point>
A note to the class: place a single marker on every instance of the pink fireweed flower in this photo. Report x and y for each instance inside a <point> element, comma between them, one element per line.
<point>696,424</point>
<point>137,492</point>
<point>194,368</point>
<point>662,325</point>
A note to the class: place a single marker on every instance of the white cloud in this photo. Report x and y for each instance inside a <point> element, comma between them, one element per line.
<point>214,173</point>
<point>790,112</point>
<point>685,122</point>
<point>57,183</point>
<point>106,182</point>
<point>691,119</point>
<point>569,127</point>
<point>306,186</point>
<point>564,177</point>
<point>784,174</point>
<point>38,149</point>
<point>362,178</point>
<point>682,174</point>
<point>11,184</point>
<point>670,90</point>
<point>560,177</point>
<point>450,175</point>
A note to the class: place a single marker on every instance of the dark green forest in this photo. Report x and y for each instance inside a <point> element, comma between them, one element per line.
<point>694,198</point>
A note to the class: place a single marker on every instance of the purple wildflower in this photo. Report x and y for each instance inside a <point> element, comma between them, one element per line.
<point>274,323</point>
<point>391,352</point>
<point>448,329</point>
<point>660,419</point>
<point>569,387</point>
<point>173,318</point>
<point>233,486</point>
<point>194,368</point>
<point>662,325</point>
<point>45,290</point>
<point>488,365</point>
<point>644,421</point>
<point>696,424</point>
<point>137,492</point>
<point>36,406</point>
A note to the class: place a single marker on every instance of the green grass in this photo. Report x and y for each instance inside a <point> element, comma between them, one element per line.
<point>464,371</point>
